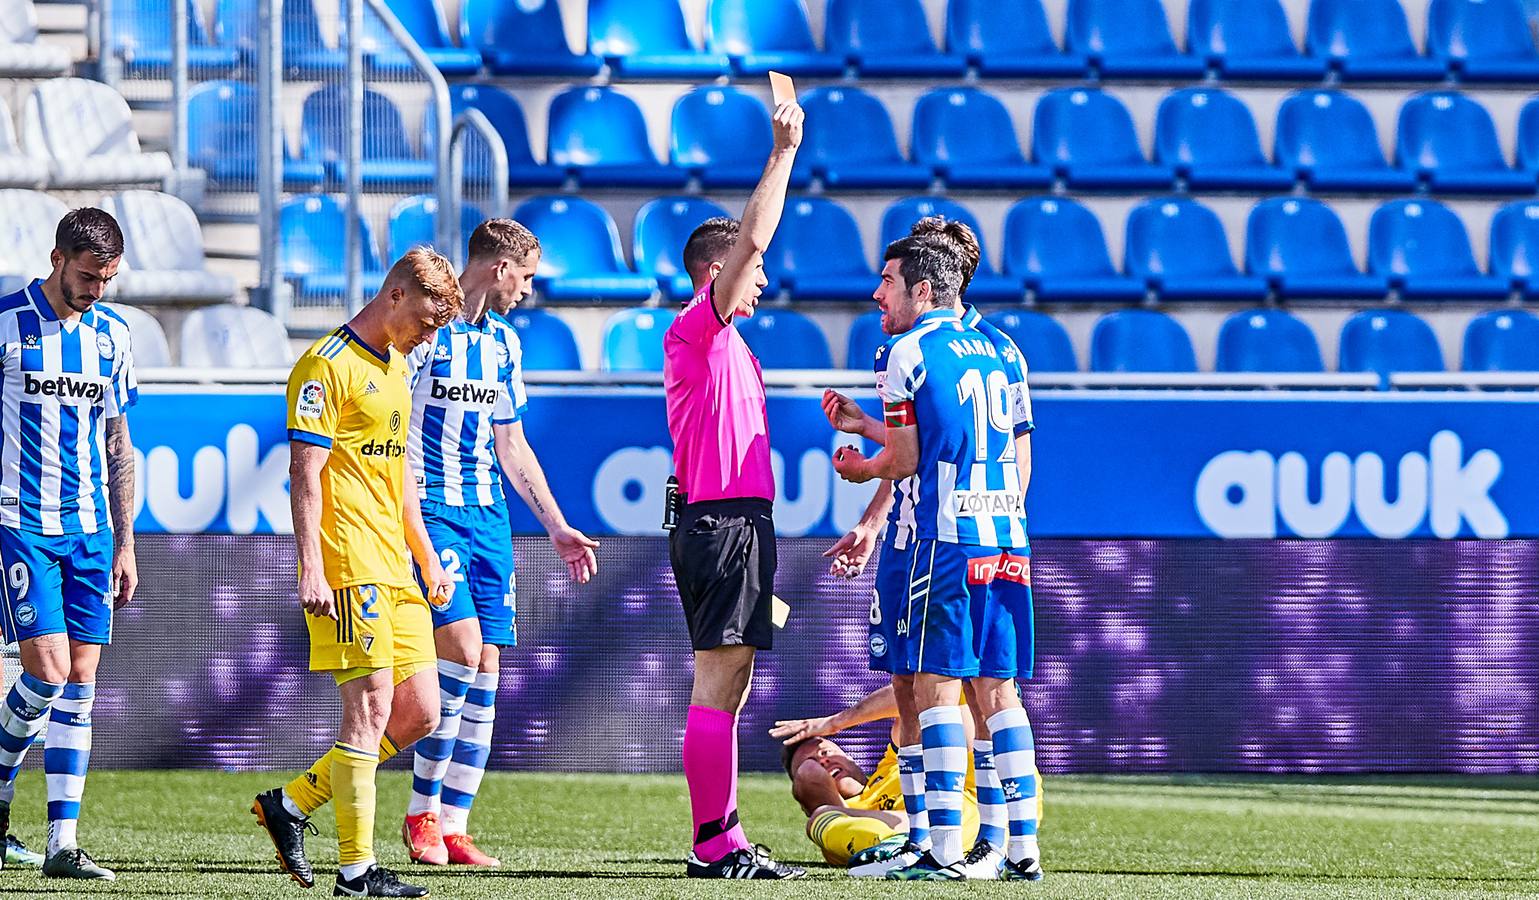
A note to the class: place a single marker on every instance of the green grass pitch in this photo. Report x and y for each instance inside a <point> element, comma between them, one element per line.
<point>188,834</point>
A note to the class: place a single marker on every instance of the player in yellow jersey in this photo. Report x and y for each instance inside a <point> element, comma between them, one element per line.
<point>354,523</point>
<point>848,811</point>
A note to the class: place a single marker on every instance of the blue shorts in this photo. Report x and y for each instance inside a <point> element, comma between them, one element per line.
<point>475,546</point>
<point>57,584</point>
<point>952,609</point>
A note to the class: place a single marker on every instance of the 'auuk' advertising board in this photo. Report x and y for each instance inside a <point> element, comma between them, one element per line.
<point>1127,464</point>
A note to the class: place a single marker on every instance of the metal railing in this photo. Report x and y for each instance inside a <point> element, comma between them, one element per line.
<point>474,123</point>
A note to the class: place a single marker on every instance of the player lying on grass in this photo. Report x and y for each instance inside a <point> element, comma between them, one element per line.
<point>467,437</point>
<point>848,812</point>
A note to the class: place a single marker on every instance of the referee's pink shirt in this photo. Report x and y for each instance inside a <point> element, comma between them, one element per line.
<point>716,410</point>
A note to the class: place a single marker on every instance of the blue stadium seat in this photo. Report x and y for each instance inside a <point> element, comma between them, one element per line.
<point>424,21</point>
<point>884,38</point>
<point>830,150</point>
<point>142,40</point>
<point>1178,248</point>
<point>523,39</point>
<point>388,158</point>
<point>1328,139</point>
<point>1528,137</point>
<point>305,52</point>
<point>785,339</point>
<point>580,257</point>
<point>764,35</point>
<point>507,119</point>
<point>1515,245</point>
<point>1008,40</point>
<point>413,220</point>
<point>1245,39</point>
<point>818,254</point>
<point>310,247</point>
<point>1367,40</point>
<point>662,228</point>
<point>1300,247</point>
<point>633,339</point>
<point>1140,340</point>
<point>599,135</point>
<point>1449,141</point>
<point>547,342</point>
<point>647,39</point>
<point>1128,39</point>
<point>1267,340</point>
<point>722,136</point>
<point>1421,247</point>
<point>866,336</point>
<point>219,117</point>
<point>1482,40</point>
<point>1502,340</point>
<point>1056,245</point>
<point>1388,340</point>
<point>1087,137</point>
<point>965,135</point>
<point>1043,341</point>
<point>987,286</point>
<point>1209,137</point>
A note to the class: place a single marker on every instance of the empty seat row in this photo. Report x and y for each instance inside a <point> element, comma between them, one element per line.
<point>75,133</point>
<point>1353,39</point>
<point>163,257</point>
<point>1055,251</point>
<point>1083,138</point>
<point>1129,341</point>
<point>222,336</point>
<point>22,55</point>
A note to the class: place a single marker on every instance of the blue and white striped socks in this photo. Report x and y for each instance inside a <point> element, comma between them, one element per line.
<point>1015,758</point>
<point>22,719</point>
<point>911,779</point>
<point>66,755</point>
<point>471,752</point>
<point>945,772</point>
<point>992,815</point>
<point>431,760</point>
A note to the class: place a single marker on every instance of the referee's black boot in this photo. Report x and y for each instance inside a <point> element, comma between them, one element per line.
<point>749,863</point>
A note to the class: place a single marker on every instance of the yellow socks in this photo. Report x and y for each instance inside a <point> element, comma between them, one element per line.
<point>353,774</point>
<point>312,790</point>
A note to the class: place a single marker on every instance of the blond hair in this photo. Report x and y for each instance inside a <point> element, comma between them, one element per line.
<point>498,238</point>
<point>428,271</point>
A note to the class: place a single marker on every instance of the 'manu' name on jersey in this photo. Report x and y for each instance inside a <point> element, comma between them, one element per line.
<point>58,386</point>
<point>465,380</point>
<point>948,381</point>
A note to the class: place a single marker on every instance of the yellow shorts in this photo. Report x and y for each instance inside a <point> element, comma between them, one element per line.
<point>377,627</point>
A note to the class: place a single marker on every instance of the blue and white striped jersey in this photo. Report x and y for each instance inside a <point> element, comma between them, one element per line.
<point>465,380</point>
<point>58,385</point>
<point>948,381</point>
<point>1014,363</point>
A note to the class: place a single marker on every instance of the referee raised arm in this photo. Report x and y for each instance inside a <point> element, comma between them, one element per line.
<point>723,545</point>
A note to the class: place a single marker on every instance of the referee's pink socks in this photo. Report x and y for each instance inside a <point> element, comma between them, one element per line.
<point>710,768</point>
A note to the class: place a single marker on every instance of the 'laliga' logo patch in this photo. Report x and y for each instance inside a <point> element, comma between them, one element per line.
<point>878,645</point>
<point>104,344</point>
<point>311,401</point>
<point>26,615</point>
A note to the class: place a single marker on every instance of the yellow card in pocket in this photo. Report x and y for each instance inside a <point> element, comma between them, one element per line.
<point>780,611</point>
<point>782,89</point>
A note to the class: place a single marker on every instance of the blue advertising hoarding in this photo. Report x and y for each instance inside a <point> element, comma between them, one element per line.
<point>1106,464</point>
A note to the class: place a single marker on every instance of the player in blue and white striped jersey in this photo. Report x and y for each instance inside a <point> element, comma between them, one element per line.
<point>950,425</point>
<point>66,514</point>
<point>466,438</point>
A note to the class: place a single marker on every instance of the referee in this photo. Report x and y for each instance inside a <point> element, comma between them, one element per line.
<point>723,545</point>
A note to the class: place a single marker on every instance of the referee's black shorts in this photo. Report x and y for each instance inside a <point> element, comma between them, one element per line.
<point>723,555</point>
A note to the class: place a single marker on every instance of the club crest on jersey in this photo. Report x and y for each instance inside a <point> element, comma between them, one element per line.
<point>104,344</point>
<point>878,645</point>
<point>26,615</point>
<point>311,401</point>
<point>368,642</point>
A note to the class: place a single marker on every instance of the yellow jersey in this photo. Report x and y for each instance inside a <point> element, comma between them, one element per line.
<point>354,400</point>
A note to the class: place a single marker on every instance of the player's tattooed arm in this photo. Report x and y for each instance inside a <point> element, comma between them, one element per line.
<point>305,463</point>
<point>523,469</point>
<point>120,497</point>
